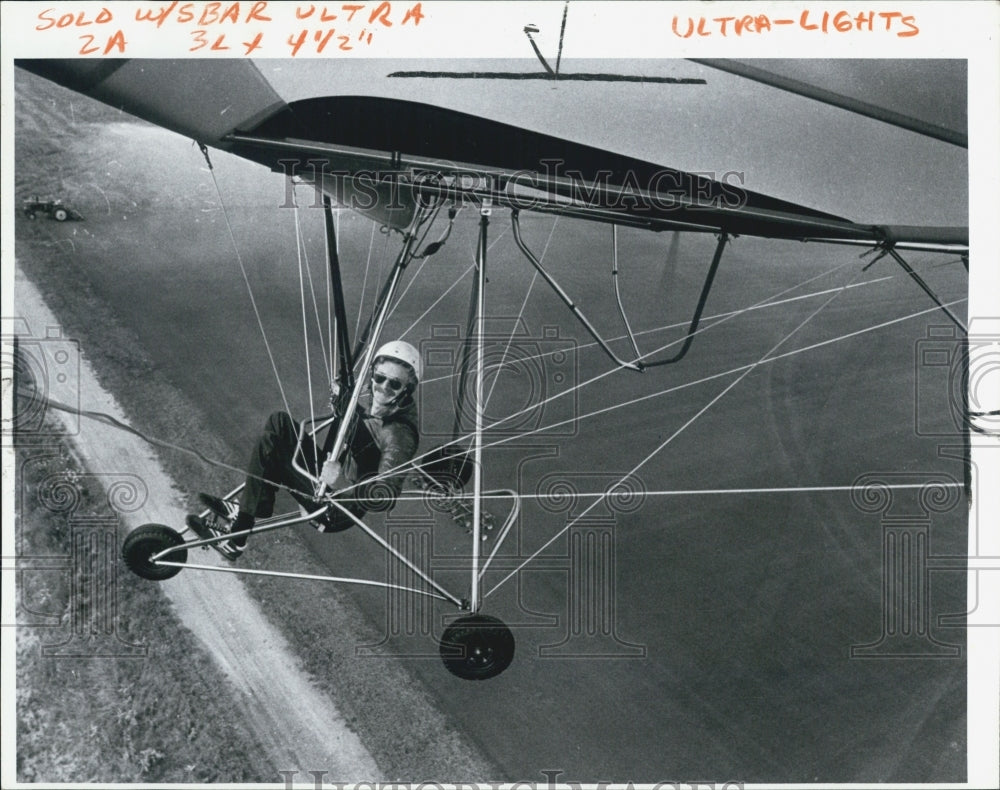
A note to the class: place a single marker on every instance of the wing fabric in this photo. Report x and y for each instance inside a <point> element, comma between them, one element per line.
<point>599,179</point>
<point>204,100</point>
<point>368,145</point>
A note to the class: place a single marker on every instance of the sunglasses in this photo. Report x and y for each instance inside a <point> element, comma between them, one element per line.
<point>394,384</point>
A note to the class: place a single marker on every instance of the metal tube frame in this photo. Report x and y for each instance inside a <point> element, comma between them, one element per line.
<point>376,326</point>
<point>314,426</point>
<point>618,293</point>
<point>392,284</point>
<point>477,466</point>
<point>515,223</point>
<point>308,577</point>
<point>924,286</point>
<point>346,359</point>
<point>550,200</point>
<point>699,308</point>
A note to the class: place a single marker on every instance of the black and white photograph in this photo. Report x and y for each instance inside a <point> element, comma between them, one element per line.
<point>500,394</point>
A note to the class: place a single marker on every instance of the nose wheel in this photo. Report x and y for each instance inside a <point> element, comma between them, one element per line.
<point>145,542</point>
<point>477,647</point>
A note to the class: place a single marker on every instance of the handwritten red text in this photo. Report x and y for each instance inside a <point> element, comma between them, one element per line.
<point>903,25</point>
<point>90,43</point>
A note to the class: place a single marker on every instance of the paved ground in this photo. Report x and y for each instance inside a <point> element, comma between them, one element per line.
<point>734,635</point>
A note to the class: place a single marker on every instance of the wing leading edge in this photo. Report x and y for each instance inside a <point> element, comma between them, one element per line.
<point>385,152</point>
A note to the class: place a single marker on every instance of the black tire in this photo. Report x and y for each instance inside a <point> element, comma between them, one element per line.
<point>30,214</point>
<point>145,541</point>
<point>477,647</point>
<point>60,215</point>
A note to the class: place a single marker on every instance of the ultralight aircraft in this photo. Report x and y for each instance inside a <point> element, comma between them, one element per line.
<point>412,167</point>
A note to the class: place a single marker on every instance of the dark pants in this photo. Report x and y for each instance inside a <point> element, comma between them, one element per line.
<point>270,467</point>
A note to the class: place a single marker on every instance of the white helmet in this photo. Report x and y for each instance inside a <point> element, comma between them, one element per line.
<point>401,351</point>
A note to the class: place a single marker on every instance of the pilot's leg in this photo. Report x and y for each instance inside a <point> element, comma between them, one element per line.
<point>270,466</point>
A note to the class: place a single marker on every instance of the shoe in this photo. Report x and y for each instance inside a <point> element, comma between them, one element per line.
<point>223,508</point>
<point>215,527</point>
<point>229,550</point>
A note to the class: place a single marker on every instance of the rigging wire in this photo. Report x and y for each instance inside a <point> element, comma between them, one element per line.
<point>520,315</point>
<point>246,278</point>
<point>675,388</point>
<point>423,262</point>
<point>315,301</point>
<point>435,303</point>
<point>305,328</point>
<point>504,495</point>
<point>722,374</point>
<point>364,282</point>
<point>304,257</point>
<point>689,422</point>
<point>679,324</point>
<point>331,323</point>
<point>614,370</point>
<point>448,290</point>
<point>420,219</point>
<point>114,422</point>
<point>418,222</point>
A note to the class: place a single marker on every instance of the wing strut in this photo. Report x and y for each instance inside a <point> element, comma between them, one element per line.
<point>470,324</point>
<point>699,308</point>
<point>618,293</point>
<point>344,356</point>
<point>477,467</point>
<point>515,221</point>
<point>373,330</point>
<point>637,365</point>
<point>891,251</point>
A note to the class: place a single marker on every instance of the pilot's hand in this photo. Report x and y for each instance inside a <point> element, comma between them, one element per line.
<point>330,473</point>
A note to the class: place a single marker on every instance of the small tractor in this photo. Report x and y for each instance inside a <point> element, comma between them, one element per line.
<point>55,209</point>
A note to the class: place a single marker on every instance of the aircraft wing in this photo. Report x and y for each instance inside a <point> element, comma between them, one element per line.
<point>377,153</point>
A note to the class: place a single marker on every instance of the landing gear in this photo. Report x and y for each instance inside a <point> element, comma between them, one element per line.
<point>145,542</point>
<point>477,647</point>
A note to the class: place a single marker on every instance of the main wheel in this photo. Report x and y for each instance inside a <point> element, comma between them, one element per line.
<point>60,215</point>
<point>477,647</point>
<point>144,542</point>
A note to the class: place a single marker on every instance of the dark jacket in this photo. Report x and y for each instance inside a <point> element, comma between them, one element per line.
<point>381,444</point>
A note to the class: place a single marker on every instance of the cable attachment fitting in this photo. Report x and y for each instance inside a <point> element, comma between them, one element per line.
<point>204,152</point>
<point>883,248</point>
<point>435,246</point>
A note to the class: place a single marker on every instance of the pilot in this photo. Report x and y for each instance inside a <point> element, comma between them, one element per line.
<point>385,439</point>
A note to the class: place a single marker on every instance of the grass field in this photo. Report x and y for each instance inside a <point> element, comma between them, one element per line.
<point>67,147</point>
<point>153,708</point>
